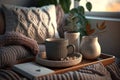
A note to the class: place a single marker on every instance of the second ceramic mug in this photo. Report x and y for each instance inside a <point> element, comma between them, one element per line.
<point>57,48</point>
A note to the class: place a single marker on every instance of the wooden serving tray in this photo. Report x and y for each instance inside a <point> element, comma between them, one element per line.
<point>104,58</point>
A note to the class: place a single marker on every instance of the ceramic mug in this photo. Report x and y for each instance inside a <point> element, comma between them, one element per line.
<point>57,48</point>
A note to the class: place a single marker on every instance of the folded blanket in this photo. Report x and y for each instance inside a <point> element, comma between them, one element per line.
<point>114,70</point>
<point>10,54</point>
<point>15,38</point>
<point>8,75</point>
<point>15,46</point>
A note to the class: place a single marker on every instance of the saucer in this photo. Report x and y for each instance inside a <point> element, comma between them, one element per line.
<point>62,63</point>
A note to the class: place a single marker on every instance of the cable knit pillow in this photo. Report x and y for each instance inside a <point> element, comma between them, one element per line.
<point>36,23</point>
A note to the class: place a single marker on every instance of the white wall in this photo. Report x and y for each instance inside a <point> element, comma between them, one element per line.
<point>109,39</point>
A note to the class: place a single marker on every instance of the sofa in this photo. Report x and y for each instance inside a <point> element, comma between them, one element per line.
<point>18,45</point>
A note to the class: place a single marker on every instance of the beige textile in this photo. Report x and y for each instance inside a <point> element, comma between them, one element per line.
<point>15,46</point>
<point>36,23</point>
<point>9,55</point>
<point>15,38</point>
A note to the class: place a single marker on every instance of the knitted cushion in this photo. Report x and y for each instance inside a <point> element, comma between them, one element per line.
<point>62,29</point>
<point>14,38</point>
<point>60,18</point>
<point>36,23</point>
<point>59,15</point>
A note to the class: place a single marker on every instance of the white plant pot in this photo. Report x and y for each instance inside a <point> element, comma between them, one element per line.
<point>73,38</point>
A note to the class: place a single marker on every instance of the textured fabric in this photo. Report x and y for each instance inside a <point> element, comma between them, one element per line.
<point>59,15</point>
<point>36,23</point>
<point>60,18</point>
<point>10,54</point>
<point>8,75</point>
<point>114,70</point>
<point>42,48</point>
<point>15,38</point>
<point>91,72</point>
<point>65,76</point>
<point>62,29</point>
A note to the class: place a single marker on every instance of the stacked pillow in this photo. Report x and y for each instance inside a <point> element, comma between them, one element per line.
<point>36,23</point>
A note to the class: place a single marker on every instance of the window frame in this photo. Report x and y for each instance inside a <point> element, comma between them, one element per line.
<point>104,14</point>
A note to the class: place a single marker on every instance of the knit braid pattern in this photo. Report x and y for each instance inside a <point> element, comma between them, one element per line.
<point>36,23</point>
<point>15,38</point>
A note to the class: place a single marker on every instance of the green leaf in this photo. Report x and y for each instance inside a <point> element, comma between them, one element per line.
<point>89,6</point>
<point>81,10</point>
<point>65,5</point>
<point>82,32</point>
<point>74,10</point>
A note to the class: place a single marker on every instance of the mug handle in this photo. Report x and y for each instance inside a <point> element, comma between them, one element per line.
<point>73,47</point>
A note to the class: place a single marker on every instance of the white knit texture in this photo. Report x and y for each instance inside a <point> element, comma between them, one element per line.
<point>36,23</point>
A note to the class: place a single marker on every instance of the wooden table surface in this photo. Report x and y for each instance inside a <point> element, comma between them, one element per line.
<point>104,58</point>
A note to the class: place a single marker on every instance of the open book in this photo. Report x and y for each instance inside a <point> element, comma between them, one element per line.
<point>32,70</point>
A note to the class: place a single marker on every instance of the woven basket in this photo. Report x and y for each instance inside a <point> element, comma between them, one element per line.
<point>59,64</point>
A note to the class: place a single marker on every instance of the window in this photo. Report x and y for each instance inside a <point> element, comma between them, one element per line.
<point>103,8</point>
<point>106,5</point>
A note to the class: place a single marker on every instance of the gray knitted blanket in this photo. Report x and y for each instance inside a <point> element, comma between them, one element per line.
<point>15,46</point>
<point>15,38</point>
<point>9,55</point>
<point>92,72</point>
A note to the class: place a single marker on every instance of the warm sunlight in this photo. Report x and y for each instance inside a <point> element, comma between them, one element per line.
<point>113,7</point>
<point>106,5</point>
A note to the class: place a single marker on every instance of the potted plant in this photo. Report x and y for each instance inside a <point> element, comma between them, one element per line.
<point>76,20</point>
<point>76,23</point>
